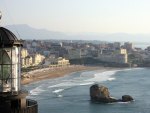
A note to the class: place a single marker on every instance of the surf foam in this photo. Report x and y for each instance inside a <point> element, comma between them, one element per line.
<point>103,76</point>
<point>36,91</point>
<point>57,90</point>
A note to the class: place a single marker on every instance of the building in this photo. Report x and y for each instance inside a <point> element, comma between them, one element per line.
<point>37,59</point>
<point>117,45</point>
<point>62,62</point>
<point>128,46</point>
<point>118,56</point>
<point>24,53</point>
<point>28,61</point>
<point>56,45</point>
<point>57,62</point>
<point>74,53</point>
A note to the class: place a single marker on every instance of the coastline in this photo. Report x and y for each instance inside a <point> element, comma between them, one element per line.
<point>50,73</point>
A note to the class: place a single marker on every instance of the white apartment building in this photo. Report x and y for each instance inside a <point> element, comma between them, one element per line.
<point>37,59</point>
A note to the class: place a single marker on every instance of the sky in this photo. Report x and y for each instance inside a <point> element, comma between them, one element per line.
<point>77,16</point>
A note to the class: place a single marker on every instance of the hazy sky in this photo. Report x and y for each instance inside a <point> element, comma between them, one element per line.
<point>101,16</point>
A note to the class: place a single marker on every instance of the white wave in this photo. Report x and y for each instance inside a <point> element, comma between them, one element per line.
<point>60,96</point>
<point>57,90</point>
<point>64,84</point>
<point>36,91</point>
<point>98,77</point>
<point>124,102</point>
<point>85,74</point>
<point>79,81</point>
<point>86,83</point>
<point>103,76</point>
<point>110,79</point>
<point>71,84</point>
<point>128,69</point>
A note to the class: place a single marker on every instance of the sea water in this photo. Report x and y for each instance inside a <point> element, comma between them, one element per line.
<point>70,94</point>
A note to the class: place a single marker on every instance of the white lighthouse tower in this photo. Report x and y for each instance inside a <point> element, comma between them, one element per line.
<point>12,97</point>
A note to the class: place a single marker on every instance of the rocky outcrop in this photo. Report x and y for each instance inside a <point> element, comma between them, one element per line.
<point>99,93</point>
<point>126,98</point>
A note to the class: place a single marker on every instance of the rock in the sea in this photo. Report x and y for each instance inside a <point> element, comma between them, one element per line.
<point>99,93</point>
<point>126,98</point>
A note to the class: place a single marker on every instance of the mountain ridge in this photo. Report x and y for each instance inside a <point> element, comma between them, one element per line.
<point>26,32</point>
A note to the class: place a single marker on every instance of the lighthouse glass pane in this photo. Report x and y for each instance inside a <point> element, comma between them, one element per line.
<point>10,69</point>
<point>5,71</point>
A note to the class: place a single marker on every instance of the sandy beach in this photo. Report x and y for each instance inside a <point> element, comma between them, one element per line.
<point>48,73</point>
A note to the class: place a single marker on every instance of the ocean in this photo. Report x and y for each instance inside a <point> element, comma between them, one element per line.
<point>70,94</point>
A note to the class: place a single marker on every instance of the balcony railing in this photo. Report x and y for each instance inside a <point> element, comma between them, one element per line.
<point>32,107</point>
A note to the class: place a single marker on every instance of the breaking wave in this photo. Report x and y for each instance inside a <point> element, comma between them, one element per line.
<point>102,76</point>
<point>76,79</point>
<point>57,90</point>
<point>36,91</point>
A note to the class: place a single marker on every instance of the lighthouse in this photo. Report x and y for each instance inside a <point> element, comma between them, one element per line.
<point>12,96</point>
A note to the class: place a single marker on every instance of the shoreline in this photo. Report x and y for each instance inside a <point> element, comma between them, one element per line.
<point>50,73</point>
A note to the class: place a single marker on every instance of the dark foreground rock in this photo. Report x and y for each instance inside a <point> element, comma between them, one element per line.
<point>99,93</point>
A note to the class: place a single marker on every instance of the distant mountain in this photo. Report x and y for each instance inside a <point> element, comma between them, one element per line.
<point>26,32</point>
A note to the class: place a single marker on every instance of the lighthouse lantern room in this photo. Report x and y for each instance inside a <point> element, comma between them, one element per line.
<point>12,97</point>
